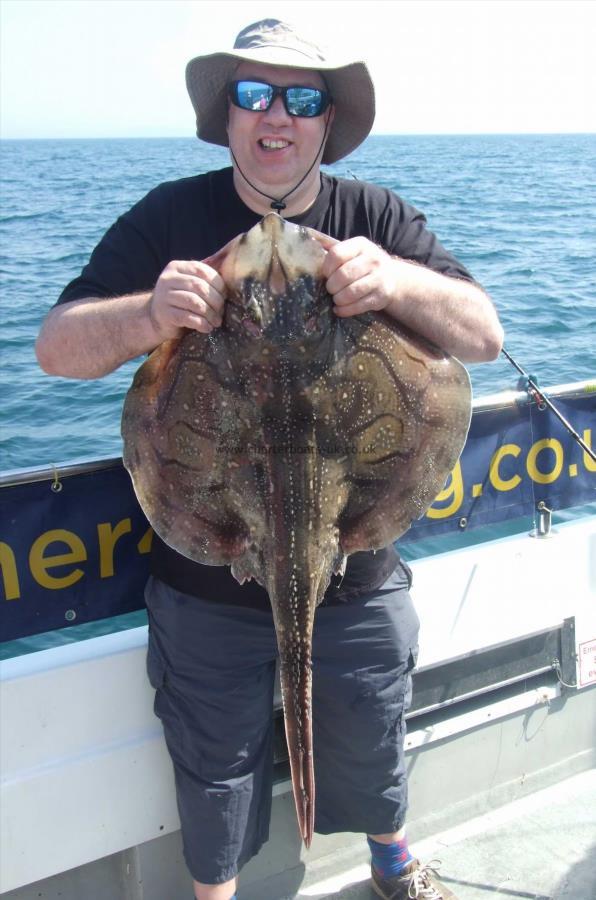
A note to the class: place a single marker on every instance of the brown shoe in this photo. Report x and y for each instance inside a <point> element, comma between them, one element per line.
<point>418,881</point>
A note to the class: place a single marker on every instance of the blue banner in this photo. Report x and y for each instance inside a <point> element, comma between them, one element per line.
<point>81,552</point>
<point>72,555</point>
<point>514,458</point>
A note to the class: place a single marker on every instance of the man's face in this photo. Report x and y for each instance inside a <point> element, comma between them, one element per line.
<point>273,149</point>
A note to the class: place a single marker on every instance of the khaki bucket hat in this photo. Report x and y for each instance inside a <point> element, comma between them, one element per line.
<point>276,43</point>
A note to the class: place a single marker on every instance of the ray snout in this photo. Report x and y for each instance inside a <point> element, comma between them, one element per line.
<point>287,253</point>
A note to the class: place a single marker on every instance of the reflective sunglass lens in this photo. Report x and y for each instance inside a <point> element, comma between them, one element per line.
<point>298,101</point>
<point>253,95</point>
<point>302,101</point>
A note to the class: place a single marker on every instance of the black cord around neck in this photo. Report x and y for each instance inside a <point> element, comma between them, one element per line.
<point>278,205</point>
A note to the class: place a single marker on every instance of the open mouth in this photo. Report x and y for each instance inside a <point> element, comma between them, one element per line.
<point>273,143</point>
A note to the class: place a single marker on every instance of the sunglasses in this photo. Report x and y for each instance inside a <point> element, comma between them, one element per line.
<point>257,96</point>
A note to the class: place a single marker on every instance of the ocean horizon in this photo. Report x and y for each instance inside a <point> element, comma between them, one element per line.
<point>392,134</point>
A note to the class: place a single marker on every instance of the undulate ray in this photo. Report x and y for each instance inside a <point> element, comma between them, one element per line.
<point>289,438</point>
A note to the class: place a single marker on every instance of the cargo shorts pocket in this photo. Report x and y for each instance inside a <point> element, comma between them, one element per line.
<point>412,663</point>
<point>156,667</point>
<point>406,573</point>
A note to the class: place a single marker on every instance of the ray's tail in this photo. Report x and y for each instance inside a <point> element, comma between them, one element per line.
<point>296,686</point>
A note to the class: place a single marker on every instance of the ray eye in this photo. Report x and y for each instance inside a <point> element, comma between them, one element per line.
<point>255,310</point>
<point>251,327</point>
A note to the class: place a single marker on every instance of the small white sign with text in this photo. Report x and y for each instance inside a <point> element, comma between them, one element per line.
<point>587,662</point>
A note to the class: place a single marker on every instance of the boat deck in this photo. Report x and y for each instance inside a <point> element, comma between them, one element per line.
<point>541,847</point>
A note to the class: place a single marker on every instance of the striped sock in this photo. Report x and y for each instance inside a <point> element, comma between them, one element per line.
<point>390,859</point>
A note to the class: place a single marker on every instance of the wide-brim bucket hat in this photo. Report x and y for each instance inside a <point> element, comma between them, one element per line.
<point>276,43</point>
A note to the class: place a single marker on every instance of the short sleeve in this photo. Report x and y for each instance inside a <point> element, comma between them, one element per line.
<point>404,233</point>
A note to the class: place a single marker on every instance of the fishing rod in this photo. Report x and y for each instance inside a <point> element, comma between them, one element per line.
<point>544,399</point>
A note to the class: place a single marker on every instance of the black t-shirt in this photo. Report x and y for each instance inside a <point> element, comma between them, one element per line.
<point>193,218</point>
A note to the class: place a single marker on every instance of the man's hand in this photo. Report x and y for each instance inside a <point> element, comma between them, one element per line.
<point>360,276</point>
<point>187,294</point>
<point>453,313</point>
<point>89,338</point>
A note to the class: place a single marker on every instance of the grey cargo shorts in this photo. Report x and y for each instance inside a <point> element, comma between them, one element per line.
<point>213,667</point>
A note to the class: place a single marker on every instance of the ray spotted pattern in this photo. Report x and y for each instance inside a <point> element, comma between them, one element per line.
<point>288,439</point>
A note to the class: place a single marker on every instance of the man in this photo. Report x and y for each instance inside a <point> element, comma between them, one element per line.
<point>282,108</point>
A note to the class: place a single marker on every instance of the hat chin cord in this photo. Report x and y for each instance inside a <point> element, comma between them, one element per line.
<point>278,205</point>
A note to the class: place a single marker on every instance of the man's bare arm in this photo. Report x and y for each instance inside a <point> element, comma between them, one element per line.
<point>91,337</point>
<point>453,313</point>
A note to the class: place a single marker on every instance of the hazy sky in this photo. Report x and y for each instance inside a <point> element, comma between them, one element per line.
<point>101,68</point>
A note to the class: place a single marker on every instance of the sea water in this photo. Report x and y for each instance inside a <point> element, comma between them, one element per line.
<point>518,211</point>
